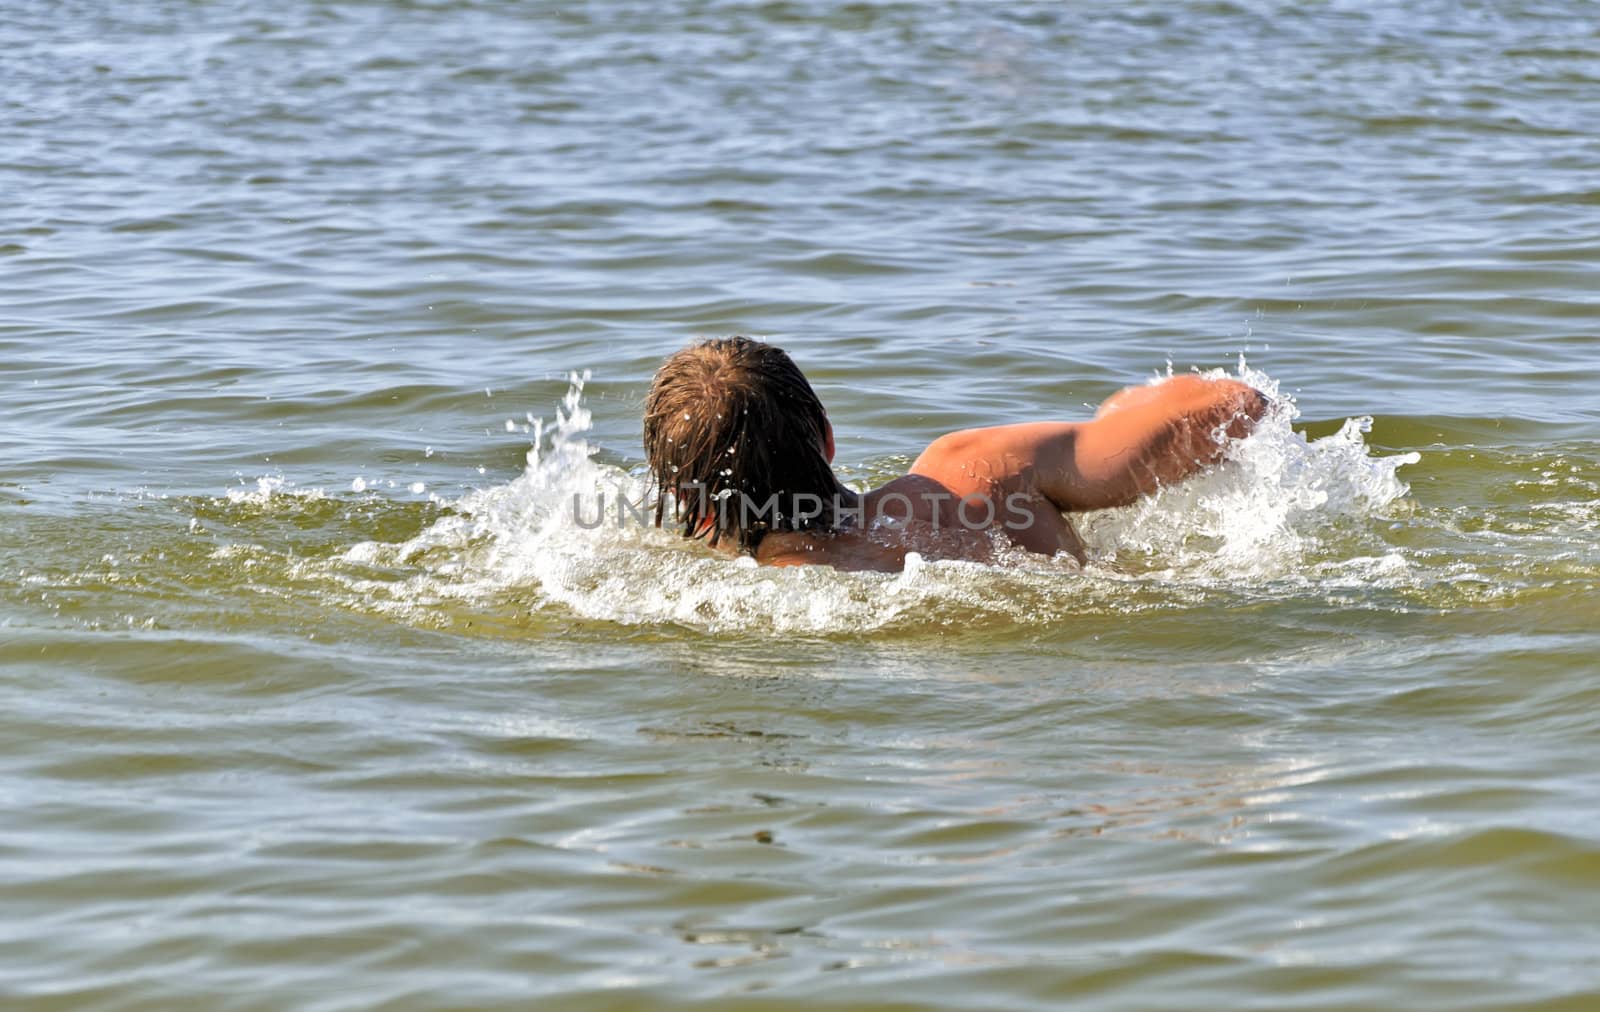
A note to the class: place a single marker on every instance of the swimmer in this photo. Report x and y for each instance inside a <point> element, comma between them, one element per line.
<point>742,451</point>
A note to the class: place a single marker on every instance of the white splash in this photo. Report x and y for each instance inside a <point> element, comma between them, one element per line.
<point>271,488</point>
<point>537,539</point>
<point>1261,512</point>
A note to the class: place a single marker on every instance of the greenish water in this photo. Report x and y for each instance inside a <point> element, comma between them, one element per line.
<point>314,693</point>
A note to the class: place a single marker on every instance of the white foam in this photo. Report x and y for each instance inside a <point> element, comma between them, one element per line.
<point>1264,508</point>
<point>1255,518</point>
<point>271,488</point>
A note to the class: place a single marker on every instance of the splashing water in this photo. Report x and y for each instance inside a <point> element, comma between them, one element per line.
<point>571,530</point>
<point>1263,512</point>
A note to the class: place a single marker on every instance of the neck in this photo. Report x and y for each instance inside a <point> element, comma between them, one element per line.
<point>846,499</point>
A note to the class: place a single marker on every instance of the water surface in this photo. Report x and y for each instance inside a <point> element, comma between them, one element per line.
<point>313,695</point>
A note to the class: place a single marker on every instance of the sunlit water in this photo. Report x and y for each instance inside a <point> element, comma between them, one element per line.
<point>316,692</point>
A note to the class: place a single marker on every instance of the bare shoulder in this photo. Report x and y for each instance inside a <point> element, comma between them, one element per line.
<point>975,460</point>
<point>847,550</point>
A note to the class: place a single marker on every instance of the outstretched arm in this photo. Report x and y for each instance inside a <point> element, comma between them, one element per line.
<point>1140,439</point>
<point>1143,438</point>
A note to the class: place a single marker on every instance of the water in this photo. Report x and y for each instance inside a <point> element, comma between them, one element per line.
<point>313,694</point>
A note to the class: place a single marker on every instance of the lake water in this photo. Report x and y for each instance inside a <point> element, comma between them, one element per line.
<point>314,693</point>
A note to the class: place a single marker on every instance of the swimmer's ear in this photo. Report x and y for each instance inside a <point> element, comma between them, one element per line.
<point>827,440</point>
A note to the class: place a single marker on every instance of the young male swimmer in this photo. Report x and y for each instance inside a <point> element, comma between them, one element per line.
<point>740,445</point>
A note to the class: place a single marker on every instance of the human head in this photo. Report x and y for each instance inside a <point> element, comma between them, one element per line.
<point>735,417</point>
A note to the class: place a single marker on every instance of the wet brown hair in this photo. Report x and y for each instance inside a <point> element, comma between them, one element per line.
<point>734,417</point>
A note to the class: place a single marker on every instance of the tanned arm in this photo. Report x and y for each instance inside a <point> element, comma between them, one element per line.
<point>1141,439</point>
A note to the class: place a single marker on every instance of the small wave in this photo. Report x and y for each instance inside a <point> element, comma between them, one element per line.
<point>566,529</point>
